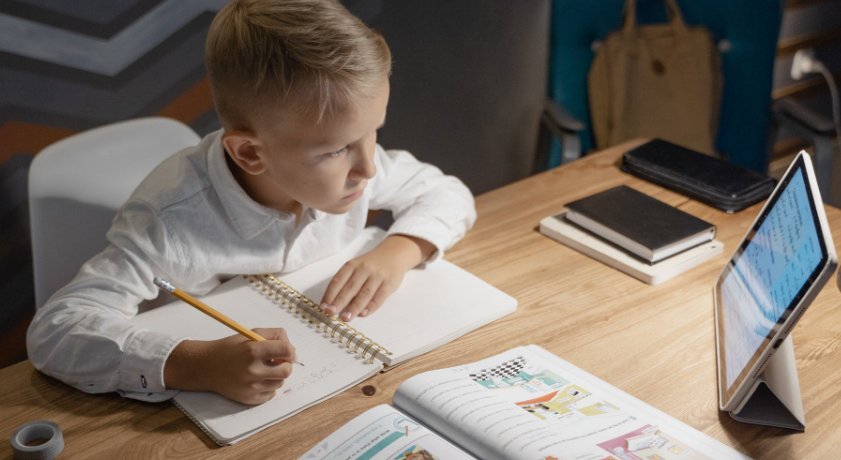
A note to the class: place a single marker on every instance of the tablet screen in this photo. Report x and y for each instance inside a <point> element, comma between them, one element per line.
<point>768,275</point>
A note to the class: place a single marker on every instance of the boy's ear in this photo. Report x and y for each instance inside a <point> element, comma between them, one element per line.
<point>243,148</point>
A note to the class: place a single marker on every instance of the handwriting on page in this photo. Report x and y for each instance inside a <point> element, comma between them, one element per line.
<point>305,377</point>
<point>291,386</point>
<point>784,251</point>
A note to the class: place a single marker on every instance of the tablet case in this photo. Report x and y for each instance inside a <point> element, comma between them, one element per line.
<point>703,178</point>
<point>775,398</point>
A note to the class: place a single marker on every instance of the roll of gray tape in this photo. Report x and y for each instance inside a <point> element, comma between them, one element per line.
<point>41,429</point>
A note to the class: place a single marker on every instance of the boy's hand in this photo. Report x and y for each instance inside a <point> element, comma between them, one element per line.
<point>363,284</point>
<point>240,369</point>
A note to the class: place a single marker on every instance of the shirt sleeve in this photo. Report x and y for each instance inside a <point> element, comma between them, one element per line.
<point>425,202</point>
<point>81,336</point>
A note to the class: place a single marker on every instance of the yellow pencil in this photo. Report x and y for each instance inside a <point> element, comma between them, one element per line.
<point>206,309</point>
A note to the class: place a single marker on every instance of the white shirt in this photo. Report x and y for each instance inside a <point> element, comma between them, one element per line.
<point>191,223</point>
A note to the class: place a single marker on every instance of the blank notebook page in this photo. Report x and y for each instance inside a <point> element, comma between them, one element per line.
<point>432,304</point>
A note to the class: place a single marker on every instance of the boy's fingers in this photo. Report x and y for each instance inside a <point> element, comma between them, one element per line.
<point>328,302</point>
<point>272,333</point>
<point>262,397</point>
<point>281,371</point>
<point>377,300</point>
<point>275,349</point>
<point>349,290</point>
<point>278,334</point>
<point>271,384</point>
<point>362,299</point>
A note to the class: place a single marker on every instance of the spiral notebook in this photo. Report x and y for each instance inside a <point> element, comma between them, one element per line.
<point>434,305</point>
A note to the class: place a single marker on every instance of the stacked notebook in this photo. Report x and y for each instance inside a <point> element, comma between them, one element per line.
<point>434,305</point>
<point>630,231</point>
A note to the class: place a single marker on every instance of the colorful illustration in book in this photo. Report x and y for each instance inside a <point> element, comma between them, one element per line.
<point>405,424</point>
<point>649,443</point>
<point>514,373</point>
<point>598,408</point>
<point>415,452</point>
<point>506,371</point>
<point>543,393</point>
<point>560,404</point>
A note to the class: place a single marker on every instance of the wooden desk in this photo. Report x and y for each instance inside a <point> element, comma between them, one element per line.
<point>654,342</point>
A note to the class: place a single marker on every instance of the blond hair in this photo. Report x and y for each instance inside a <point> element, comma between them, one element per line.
<point>313,56</point>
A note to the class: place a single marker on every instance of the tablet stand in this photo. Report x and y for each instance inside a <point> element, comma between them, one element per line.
<point>775,398</point>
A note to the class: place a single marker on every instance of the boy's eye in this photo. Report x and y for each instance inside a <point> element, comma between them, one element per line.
<point>337,153</point>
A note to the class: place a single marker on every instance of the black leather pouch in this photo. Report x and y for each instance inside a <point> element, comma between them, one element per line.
<point>709,180</point>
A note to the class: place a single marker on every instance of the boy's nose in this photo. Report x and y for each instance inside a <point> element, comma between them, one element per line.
<point>365,167</point>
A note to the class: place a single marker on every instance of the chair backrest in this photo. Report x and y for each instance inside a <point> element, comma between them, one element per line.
<point>77,185</point>
<point>747,30</point>
<point>468,83</point>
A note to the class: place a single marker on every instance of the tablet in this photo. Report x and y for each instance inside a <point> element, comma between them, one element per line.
<point>782,263</point>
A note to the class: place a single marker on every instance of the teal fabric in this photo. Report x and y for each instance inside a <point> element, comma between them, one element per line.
<point>751,26</point>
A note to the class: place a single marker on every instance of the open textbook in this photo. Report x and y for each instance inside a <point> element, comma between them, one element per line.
<point>524,404</point>
<point>434,305</point>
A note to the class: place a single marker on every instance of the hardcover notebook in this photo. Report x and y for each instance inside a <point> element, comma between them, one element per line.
<point>646,227</point>
<point>434,305</point>
<point>561,229</point>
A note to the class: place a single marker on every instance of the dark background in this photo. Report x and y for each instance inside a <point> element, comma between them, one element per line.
<point>71,65</point>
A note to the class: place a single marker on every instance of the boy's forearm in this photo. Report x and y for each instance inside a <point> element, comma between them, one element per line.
<point>410,250</point>
<point>424,201</point>
<point>87,318</point>
<point>184,366</point>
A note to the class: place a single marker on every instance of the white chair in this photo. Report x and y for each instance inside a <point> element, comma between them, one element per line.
<point>77,185</point>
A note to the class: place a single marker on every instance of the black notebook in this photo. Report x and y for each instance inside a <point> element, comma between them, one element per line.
<point>642,225</point>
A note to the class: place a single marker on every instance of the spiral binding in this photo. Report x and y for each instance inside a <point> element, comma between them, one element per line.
<point>281,292</point>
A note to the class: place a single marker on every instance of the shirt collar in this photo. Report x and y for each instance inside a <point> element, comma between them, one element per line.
<point>315,214</point>
<point>248,217</point>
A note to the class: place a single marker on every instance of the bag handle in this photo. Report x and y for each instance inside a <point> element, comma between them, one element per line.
<point>679,29</point>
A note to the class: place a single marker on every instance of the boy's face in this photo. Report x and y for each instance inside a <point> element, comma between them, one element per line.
<point>324,165</point>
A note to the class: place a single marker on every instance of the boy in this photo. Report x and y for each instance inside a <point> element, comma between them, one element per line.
<point>301,87</point>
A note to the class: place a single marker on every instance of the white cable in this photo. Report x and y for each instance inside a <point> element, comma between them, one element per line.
<point>833,91</point>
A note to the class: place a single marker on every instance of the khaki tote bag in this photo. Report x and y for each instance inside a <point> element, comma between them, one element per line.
<point>661,80</point>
